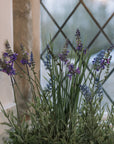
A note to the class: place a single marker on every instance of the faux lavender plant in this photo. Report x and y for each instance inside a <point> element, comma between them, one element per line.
<point>54,115</point>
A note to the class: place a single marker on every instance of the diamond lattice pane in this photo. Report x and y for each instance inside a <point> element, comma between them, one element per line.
<point>58,44</point>
<point>82,21</point>
<point>100,43</point>
<point>109,29</point>
<point>100,9</point>
<point>48,29</point>
<point>108,86</point>
<point>60,9</point>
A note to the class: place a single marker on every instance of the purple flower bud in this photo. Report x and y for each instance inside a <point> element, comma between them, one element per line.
<point>24,61</point>
<point>72,71</point>
<point>77,34</point>
<point>70,76</point>
<point>84,51</point>
<point>63,56</point>
<point>79,46</point>
<point>8,69</point>
<point>5,54</point>
<point>77,71</point>
<point>13,57</point>
<point>71,68</point>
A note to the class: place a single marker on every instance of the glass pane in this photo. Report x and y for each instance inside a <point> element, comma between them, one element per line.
<point>100,43</point>
<point>60,9</point>
<point>82,21</point>
<point>43,75</point>
<point>58,43</point>
<point>109,29</point>
<point>48,29</point>
<point>108,86</point>
<point>106,102</point>
<point>101,9</point>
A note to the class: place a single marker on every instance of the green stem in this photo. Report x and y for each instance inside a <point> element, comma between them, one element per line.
<point>7,116</point>
<point>18,117</point>
<point>31,84</point>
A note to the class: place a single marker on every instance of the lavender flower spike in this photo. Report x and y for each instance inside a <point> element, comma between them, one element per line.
<point>77,34</point>
<point>86,92</point>
<point>72,71</point>
<point>24,59</point>
<point>98,62</point>
<point>64,55</point>
<point>79,46</point>
<point>31,58</point>
<point>47,61</point>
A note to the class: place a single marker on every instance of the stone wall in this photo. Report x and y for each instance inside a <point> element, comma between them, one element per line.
<point>6,33</point>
